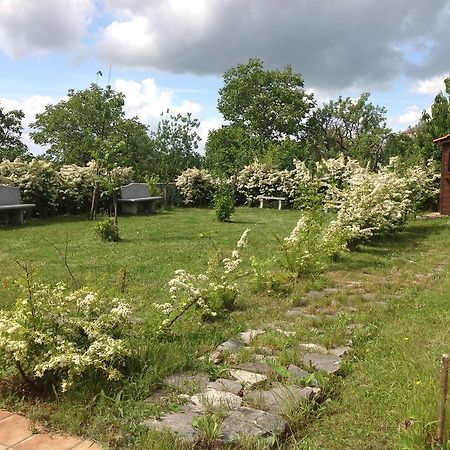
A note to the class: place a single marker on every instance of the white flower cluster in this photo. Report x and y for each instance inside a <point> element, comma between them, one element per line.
<point>375,203</point>
<point>211,294</point>
<point>56,335</point>
<point>67,189</point>
<point>196,186</point>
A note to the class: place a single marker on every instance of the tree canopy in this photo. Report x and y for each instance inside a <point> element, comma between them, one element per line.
<point>270,105</point>
<point>89,125</point>
<point>356,128</point>
<point>175,143</point>
<point>11,146</point>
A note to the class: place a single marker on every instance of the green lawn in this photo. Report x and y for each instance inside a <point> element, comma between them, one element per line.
<point>390,381</point>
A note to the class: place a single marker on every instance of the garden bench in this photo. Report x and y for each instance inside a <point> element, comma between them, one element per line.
<point>136,195</point>
<point>263,198</point>
<point>11,206</point>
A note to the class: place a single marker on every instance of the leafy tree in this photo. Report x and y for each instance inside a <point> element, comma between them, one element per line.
<point>89,125</point>
<point>270,105</point>
<point>11,147</point>
<point>355,128</point>
<point>435,124</point>
<point>175,143</point>
<point>229,149</point>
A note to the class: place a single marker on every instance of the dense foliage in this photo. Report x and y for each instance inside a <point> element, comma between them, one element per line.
<point>54,337</point>
<point>11,146</point>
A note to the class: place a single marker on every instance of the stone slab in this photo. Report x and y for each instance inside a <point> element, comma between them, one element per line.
<point>328,363</point>
<point>223,384</point>
<point>297,372</point>
<point>232,345</point>
<point>251,422</point>
<point>178,423</point>
<point>278,400</point>
<point>246,378</point>
<point>187,383</point>
<point>212,400</point>
<point>247,336</point>
<point>255,367</point>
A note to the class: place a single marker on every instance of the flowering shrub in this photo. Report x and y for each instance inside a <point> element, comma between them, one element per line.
<point>53,336</point>
<point>211,294</point>
<point>67,190</point>
<point>77,184</point>
<point>38,180</point>
<point>308,247</point>
<point>196,187</point>
<point>372,204</point>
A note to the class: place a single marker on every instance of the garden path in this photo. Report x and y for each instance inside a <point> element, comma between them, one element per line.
<point>19,433</point>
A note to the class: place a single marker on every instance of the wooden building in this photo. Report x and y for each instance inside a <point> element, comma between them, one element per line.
<point>444,194</point>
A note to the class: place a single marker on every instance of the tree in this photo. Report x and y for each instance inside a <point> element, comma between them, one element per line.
<point>11,146</point>
<point>356,128</point>
<point>435,124</point>
<point>270,105</point>
<point>175,143</point>
<point>229,149</point>
<point>88,125</point>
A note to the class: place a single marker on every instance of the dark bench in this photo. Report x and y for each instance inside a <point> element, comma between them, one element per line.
<point>136,195</point>
<point>11,206</point>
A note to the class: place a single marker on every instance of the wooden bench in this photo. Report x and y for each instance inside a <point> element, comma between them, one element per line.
<point>136,195</point>
<point>263,198</point>
<point>11,206</point>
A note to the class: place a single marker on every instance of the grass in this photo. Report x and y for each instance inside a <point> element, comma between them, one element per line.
<point>387,394</point>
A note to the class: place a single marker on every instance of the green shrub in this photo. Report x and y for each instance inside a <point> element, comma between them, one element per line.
<point>108,230</point>
<point>224,203</point>
<point>53,337</point>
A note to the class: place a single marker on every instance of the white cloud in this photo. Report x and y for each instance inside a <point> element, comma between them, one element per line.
<point>430,85</point>
<point>410,117</point>
<point>207,125</point>
<point>31,26</point>
<point>30,106</point>
<point>147,101</point>
<point>333,44</point>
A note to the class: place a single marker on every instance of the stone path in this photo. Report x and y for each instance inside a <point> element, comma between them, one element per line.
<point>18,433</point>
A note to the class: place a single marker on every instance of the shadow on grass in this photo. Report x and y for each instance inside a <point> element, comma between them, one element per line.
<point>376,253</point>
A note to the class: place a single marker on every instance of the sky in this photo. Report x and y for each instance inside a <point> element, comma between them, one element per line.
<point>171,54</point>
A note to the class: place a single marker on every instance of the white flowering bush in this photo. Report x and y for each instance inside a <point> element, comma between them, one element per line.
<point>309,246</point>
<point>77,184</point>
<point>67,190</point>
<point>372,204</point>
<point>38,180</point>
<point>196,187</point>
<point>260,179</point>
<point>54,337</point>
<point>210,295</point>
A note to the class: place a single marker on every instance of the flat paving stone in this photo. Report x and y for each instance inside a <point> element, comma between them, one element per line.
<point>45,441</point>
<point>255,367</point>
<point>328,363</point>
<point>314,294</point>
<point>212,400</point>
<point>246,378</point>
<point>314,347</point>
<point>14,429</point>
<point>187,383</point>
<point>232,345</point>
<point>340,351</point>
<point>251,422</point>
<point>297,372</point>
<point>223,384</point>
<point>278,400</point>
<point>178,423</point>
<point>247,336</point>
